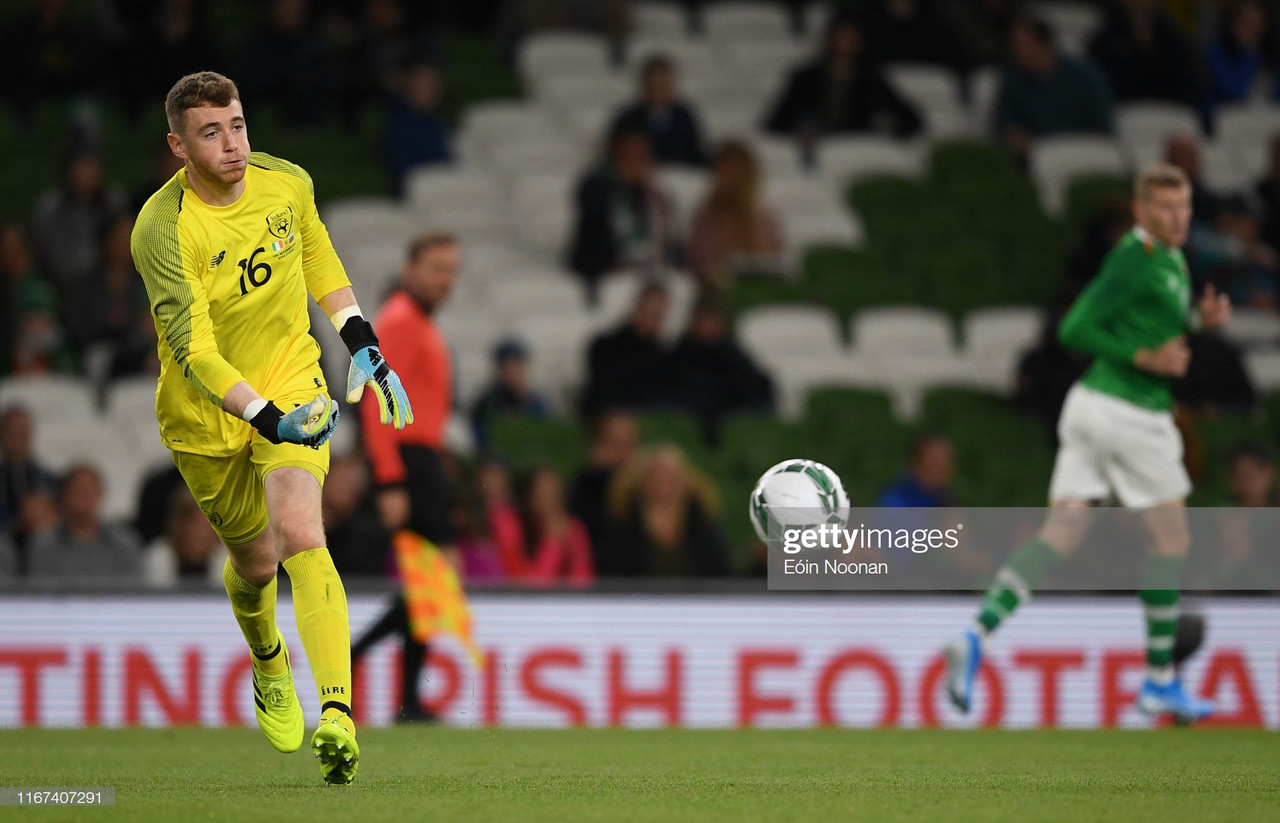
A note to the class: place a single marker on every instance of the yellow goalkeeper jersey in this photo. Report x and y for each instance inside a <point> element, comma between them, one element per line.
<point>228,290</point>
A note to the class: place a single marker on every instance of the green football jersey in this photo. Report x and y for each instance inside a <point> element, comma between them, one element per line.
<point>1140,299</point>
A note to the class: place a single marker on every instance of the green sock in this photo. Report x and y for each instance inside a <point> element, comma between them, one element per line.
<point>1015,581</point>
<point>1161,578</point>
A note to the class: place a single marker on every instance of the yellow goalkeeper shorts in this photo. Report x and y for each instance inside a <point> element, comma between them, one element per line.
<point>230,489</point>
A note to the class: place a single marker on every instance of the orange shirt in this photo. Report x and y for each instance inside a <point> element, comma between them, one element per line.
<point>416,351</point>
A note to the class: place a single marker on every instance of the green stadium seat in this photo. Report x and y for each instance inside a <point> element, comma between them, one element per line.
<point>960,162</point>
<point>678,429</point>
<point>749,292</point>
<point>1086,195</point>
<point>847,279</point>
<point>525,442</point>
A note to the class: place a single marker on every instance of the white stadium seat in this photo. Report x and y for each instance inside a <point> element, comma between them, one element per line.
<point>433,188</point>
<point>53,400</point>
<point>692,59</point>
<point>544,54</point>
<point>771,333</point>
<point>934,91</point>
<point>659,20</point>
<point>901,330</point>
<point>543,210</point>
<point>1144,128</point>
<point>794,376</point>
<point>844,160</point>
<point>687,188</point>
<point>1253,328</point>
<point>1246,131</point>
<point>567,92</point>
<point>994,340</point>
<point>1057,161</point>
<point>1073,24</point>
<point>727,20</point>
<point>984,92</point>
<point>1264,369</point>
<point>800,231</point>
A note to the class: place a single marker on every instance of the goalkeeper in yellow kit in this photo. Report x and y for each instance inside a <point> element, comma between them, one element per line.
<point>229,249</point>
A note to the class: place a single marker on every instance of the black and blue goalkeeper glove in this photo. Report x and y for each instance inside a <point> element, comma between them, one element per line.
<point>369,368</point>
<point>309,425</point>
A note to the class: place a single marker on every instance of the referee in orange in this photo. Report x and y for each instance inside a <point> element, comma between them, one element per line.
<point>413,490</point>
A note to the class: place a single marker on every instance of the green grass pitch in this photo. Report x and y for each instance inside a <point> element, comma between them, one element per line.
<point>413,773</point>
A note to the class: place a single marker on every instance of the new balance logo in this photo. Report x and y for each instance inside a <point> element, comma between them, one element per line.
<point>217,259</point>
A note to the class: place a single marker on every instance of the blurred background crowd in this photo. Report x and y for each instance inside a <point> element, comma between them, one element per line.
<point>694,239</point>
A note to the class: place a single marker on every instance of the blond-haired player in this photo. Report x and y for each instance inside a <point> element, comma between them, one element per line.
<point>229,249</point>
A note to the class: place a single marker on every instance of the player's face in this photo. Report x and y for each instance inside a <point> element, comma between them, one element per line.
<point>214,144</point>
<point>1166,214</point>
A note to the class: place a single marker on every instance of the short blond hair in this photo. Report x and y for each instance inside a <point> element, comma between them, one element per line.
<point>203,88</point>
<point>1159,176</point>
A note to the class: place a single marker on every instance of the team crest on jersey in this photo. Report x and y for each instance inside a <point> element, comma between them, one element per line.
<point>280,222</point>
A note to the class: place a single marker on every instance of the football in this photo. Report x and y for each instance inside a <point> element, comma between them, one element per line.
<point>813,491</point>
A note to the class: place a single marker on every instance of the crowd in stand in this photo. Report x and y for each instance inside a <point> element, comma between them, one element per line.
<point>73,303</point>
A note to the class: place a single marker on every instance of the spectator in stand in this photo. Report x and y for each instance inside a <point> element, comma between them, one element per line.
<point>670,122</point>
<point>710,374</point>
<point>1232,253</point>
<point>509,395</point>
<point>416,131</point>
<point>69,218</point>
<point>21,479</point>
<point>733,232</point>
<point>391,45</point>
<point>1043,92</point>
<point>664,522</point>
<point>32,340</point>
<point>49,57</point>
<point>165,165</point>
<point>842,91</point>
<point>188,552</point>
<point>358,541</point>
<point>1251,477</point>
<point>626,368</point>
<point>1240,61</point>
<point>1216,381</point>
<point>1267,192</point>
<point>1183,150</point>
<point>481,561</point>
<point>624,220</point>
<point>1144,54</point>
<point>151,518</point>
<point>912,31</point>
<point>81,546</point>
<point>541,543</point>
<point>284,64</point>
<point>927,481</point>
<point>111,310</point>
<point>615,440</point>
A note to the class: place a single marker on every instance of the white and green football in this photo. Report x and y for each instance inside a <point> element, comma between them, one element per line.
<point>805,491</point>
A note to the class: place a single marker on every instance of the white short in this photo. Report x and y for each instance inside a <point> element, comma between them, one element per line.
<point>1110,445</point>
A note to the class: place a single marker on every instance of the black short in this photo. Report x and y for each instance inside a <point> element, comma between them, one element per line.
<point>431,495</point>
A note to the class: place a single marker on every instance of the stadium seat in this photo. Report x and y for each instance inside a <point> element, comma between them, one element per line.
<point>688,188</point>
<point>778,156</point>
<point>659,20</point>
<point>1144,127</point>
<point>780,331</point>
<point>1073,23</point>
<point>679,429</point>
<point>769,62</point>
<point>994,340</point>
<point>1253,328</point>
<point>847,279</point>
<point>914,331</point>
<point>55,401</point>
<point>845,160</point>
<point>360,221</point>
<point>960,162</point>
<point>804,231</point>
<point>1264,369</point>
<point>566,92</point>
<point>495,120</point>
<point>958,278</point>
<point>935,93</point>
<point>538,292</point>
<point>801,195</point>
<point>1246,130</point>
<point>472,372</point>
<point>549,154</point>
<point>795,376</point>
<point>558,345</point>
<point>862,439</point>
<point>726,21</point>
<point>750,444</point>
<point>1057,161</point>
<point>543,211</point>
<point>1087,194</point>
<point>1225,170</point>
<point>728,120</point>
<point>984,91</point>
<point>750,292</point>
<point>433,188</point>
<point>527,442</point>
<point>693,59</point>
<point>543,54</point>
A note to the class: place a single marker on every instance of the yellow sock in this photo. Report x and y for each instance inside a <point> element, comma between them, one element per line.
<point>320,607</point>
<point>255,611</point>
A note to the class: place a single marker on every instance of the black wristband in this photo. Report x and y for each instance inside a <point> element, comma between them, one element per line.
<point>267,422</point>
<point>358,333</point>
